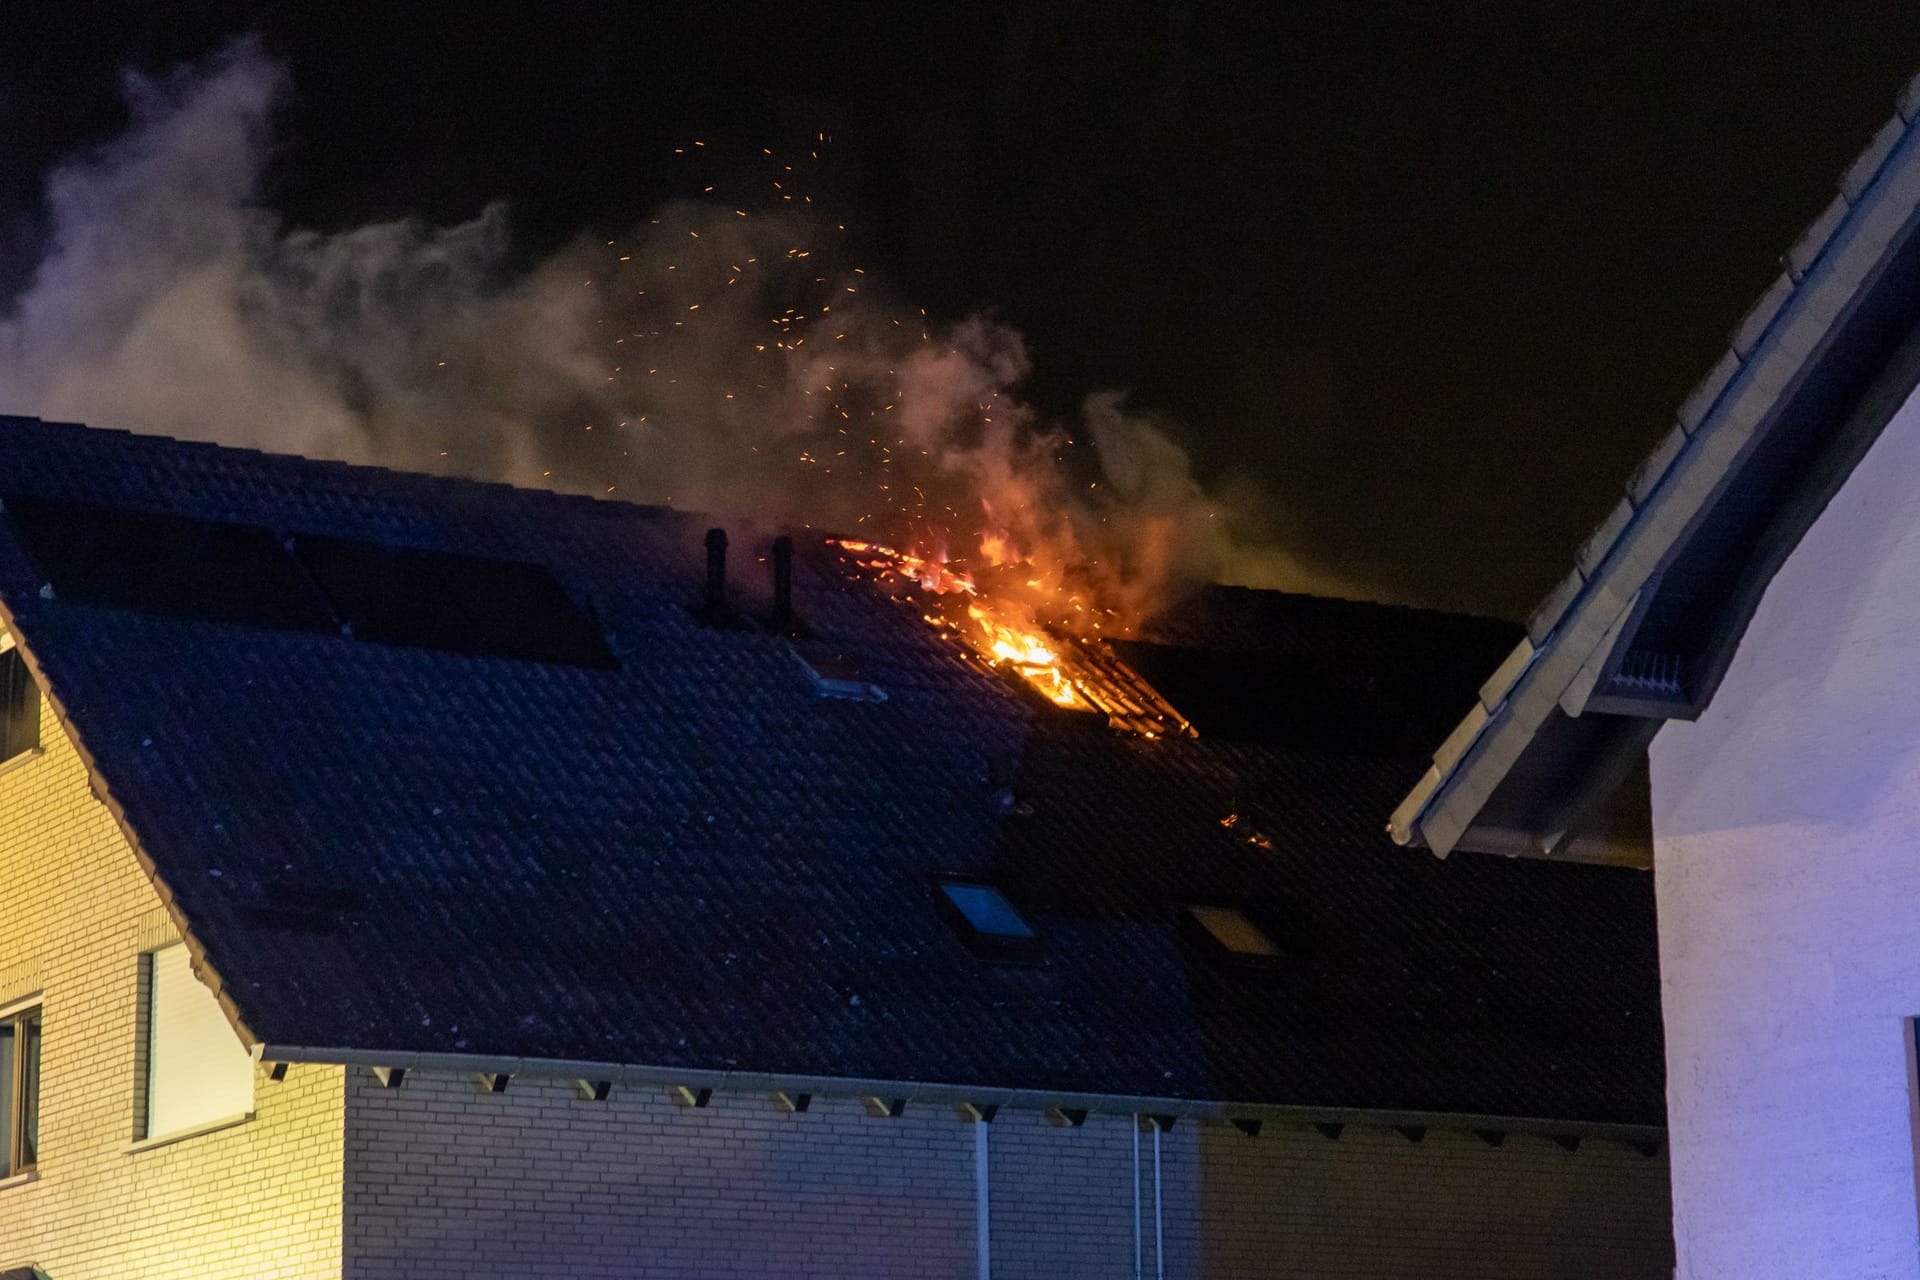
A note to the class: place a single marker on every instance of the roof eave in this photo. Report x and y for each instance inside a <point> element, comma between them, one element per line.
<point>942,1094</point>
<point>1779,341</point>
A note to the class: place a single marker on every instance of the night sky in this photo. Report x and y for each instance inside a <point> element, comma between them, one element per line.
<point>1433,277</point>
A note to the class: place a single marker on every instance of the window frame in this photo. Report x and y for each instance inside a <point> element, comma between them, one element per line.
<point>13,1161</point>
<point>146,1059</point>
<point>1194,916</point>
<point>1001,947</point>
<point>13,665</point>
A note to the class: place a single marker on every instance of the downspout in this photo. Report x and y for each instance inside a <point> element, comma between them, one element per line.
<point>982,1216</point>
<point>1159,1239</point>
<point>1136,1199</point>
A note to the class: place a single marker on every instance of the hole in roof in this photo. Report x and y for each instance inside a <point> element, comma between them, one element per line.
<point>464,604</point>
<point>1232,930</point>
<point>986,921</point>
<point>167,565</point>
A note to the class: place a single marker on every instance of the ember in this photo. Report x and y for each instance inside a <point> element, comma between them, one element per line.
<point>1009,635</point>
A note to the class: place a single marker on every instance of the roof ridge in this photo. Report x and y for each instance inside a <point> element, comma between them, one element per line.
<point>398,475</point>
<point>1397,606</point>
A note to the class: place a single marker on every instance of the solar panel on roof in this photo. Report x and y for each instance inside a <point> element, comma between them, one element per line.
<point>166,564</point>
<point>465,604</point>
<point>240,573</point>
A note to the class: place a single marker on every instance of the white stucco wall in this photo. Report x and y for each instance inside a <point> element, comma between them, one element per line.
<point>1787,870</point>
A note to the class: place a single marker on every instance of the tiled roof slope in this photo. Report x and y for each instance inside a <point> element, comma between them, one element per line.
<point>1351,675</point>
<point>1642,628</point>
<point>694,862</point>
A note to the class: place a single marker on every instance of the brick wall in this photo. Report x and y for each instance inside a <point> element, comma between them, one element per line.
<point>258,1200</point>
<point>441,1179</point>
<point>1788,883</point>
<point>1292,1203</point>
<point>444,1179</point>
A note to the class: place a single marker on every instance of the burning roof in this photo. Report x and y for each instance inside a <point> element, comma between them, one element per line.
<point>1014,636</point>
<point>691,860</point>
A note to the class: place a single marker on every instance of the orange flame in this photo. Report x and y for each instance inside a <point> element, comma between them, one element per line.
<point>1006,633</point>
<point>997,549</point>
<point>1029,654</point>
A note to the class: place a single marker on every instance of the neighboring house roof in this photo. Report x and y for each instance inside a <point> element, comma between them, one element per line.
<point>692,862</point>
<point>1643,628</point>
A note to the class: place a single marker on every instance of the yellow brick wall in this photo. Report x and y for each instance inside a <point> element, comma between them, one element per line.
<point>258,1200</point>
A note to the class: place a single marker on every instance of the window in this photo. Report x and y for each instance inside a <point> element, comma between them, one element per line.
<point>19,1092</point>
<point>986,921</point>
<point>19,703</point>
<point>986,910</point>
<point>1232,930</point>
<point>197,1071</point>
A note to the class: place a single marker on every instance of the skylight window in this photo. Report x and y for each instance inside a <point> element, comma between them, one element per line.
<point>1233,931</point>
<point>986,910</point>
<point>986,921</point>
<point>837,674</point>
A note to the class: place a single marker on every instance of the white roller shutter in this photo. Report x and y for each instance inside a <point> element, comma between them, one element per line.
<point>198,1072</point>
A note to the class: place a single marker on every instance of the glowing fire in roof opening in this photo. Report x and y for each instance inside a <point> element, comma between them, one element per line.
<point>1009,635</point>
<point>1028,654</point>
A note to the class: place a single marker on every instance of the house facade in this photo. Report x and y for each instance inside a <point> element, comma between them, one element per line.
<point>302,982</point>
<point>1791,976</point>
<point>1752,611</point>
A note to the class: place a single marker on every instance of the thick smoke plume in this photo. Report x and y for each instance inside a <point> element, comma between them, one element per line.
<point>727,355</point>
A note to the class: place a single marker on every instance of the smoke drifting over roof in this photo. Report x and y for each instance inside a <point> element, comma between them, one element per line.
<point>729,354</point>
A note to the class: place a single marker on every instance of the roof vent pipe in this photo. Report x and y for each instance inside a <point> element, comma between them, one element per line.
<point>716,598</point>
<point>783,584</point>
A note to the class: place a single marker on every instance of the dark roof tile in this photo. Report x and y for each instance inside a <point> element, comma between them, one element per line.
<point>696,862</point>
<point>1760,316</point>
<point>1867,165</point>
<point>1813,241</point>
<point>1700,400</point>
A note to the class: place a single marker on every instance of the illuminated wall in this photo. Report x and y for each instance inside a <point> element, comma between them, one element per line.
<point>1787,870</point>
<point>255,1200</point>
<point>438,1178</point>
<point>447,1180</point>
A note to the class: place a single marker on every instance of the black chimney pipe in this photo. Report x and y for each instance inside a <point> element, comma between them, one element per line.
<point>716,572</point>
<point>783,583</point>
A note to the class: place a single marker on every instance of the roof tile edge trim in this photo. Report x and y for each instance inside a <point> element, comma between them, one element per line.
<point>927,1091</point>
<point>202,964</point>
<point>1881,190</point>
